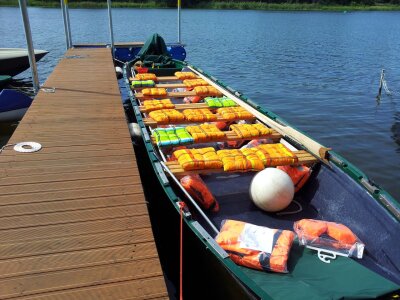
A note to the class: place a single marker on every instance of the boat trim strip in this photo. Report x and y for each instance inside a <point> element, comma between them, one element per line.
<point>210,240</point>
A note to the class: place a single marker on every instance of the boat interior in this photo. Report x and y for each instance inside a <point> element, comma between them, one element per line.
<point>329,194</point>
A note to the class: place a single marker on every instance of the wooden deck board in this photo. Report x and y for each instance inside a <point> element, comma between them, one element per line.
<point>73,217</point>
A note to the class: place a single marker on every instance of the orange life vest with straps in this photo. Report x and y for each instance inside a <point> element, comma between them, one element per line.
<point>324,234</point>
<point>231,238</point>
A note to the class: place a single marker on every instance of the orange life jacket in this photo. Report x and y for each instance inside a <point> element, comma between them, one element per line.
<point>229,239</point>
<point>324,234</point>
<point>199,191</point>
<point>298,174</point>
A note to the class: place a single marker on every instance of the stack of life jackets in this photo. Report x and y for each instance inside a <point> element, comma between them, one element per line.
<point>207,91</point>
<point>256,143</point>
<point>199,191</point>
<point>205,133</point>
<point>191,83</point>
<point>298,174</point>
<point>155,92</point>
<point>172,136</point>
<point>275,155</point>
<point>328,236</point>
<point>192,99</point>
<point>234,113</point>
<point>142,83</point>
<point>250,130</point>
<point>185,75</point>
<point>256,247</point>
<point>166,116</point>
<point>199,115</point>
<point>242,160</point>
<point>146,76</point>
<point>151,105</point>
<point>219,102</point>
<point>198,159</point>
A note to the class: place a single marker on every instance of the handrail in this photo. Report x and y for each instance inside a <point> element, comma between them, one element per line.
<point>110,24</point>
<point>179,21</point>
<point>68,23</point>
<point>65,23</point>
<point>31,50</point>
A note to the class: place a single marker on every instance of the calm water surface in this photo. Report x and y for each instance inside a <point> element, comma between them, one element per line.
<point>318,70</point>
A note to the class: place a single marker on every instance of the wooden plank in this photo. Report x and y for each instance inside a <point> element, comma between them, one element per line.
<point>143,289</point>
<point>304,158</point>
<point>162,78</point>
<point>81,277</point>
<point>182,106</point>
<point>20,249</point>
<point>126,190</point>
<point>162,85</point>
<point>65,217</point>
<point>152,123</point>
<point>73,216</point>
<point>22,209</point>
<point>140,96</point>
<point>80,259</point>
<point>10,236</point>
<point>232,136</point>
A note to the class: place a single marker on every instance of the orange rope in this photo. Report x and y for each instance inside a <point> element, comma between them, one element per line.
<point>181,207</point>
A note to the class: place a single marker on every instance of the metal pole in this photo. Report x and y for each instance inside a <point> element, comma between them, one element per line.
<point>65,23</point>
<point>111,26</point>
<point>68,23</point>
<point>31,50</point>
<point>179,21</point>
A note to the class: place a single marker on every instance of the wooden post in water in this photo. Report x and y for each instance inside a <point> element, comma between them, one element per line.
<point>381,84</point>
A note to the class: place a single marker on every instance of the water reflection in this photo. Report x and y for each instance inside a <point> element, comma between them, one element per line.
<point>395,129</point>
<point>6,130</point>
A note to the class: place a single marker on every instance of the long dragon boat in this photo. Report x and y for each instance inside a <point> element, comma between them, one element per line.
<point>222,141</point>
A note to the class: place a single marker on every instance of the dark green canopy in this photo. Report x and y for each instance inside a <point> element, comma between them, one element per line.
<point>155,45</point>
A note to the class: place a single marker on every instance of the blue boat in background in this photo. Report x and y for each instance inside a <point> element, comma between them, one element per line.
<point>13,105</point>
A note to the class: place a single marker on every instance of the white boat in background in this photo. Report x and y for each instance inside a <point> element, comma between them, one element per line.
<point>15,60</point>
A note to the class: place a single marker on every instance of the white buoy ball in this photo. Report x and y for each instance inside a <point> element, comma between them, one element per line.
<point>272,190</point>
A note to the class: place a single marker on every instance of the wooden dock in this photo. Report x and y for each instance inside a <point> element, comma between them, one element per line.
<point>73,217</point>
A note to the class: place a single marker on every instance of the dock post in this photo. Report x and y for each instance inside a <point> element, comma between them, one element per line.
<point>68,23</point>
<point>179,21</point>
<point>31,50</point>
<point>65,23</point>
<point>111,26</point>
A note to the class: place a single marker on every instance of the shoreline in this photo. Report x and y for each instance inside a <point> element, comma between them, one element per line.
<point>215,5</point>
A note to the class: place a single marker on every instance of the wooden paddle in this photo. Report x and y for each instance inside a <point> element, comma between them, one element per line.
<point>315,148</point>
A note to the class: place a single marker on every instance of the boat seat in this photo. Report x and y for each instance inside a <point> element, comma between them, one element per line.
<point>183,107</point>
<point>140,96</point>
<point>304,158</point>
<point>163,85</point>
<point>161,78</point>
<point>232,136</point>
<point>180,106</point>
<point>152,123</point>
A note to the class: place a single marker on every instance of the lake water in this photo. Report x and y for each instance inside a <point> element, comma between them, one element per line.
<point>319,70</point>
